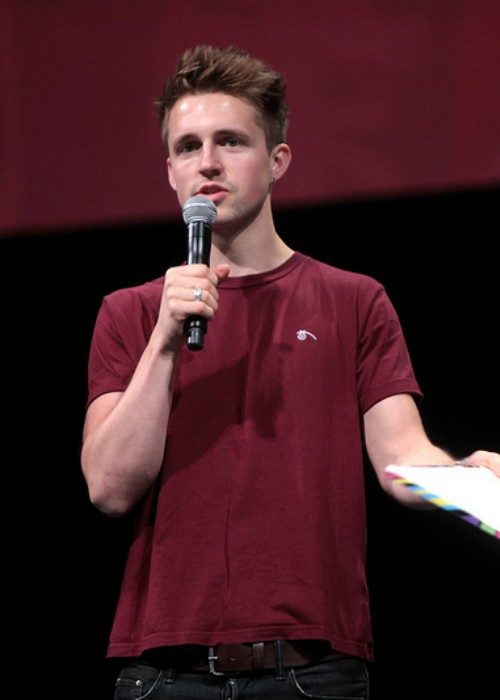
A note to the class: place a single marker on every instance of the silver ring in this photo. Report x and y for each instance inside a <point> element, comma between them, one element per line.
<point>197,293</point>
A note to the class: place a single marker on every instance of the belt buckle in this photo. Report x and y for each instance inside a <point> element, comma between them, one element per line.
<point>212,658</point>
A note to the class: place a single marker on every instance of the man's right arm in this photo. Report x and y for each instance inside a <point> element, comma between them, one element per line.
<point>125,432</point>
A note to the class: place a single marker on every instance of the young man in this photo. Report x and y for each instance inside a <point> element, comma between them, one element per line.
<point>245,577</point>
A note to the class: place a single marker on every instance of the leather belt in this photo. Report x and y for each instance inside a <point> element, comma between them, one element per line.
<point>233,658</point>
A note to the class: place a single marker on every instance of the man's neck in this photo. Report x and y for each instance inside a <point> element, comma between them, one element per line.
<point>256,248</point>
<point>248,263</point>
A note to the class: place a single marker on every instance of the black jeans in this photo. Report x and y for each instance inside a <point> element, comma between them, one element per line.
<point>345,678</point>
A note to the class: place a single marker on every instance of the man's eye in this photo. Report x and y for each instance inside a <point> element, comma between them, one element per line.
<point>187,147</point>
<point>232,141</point>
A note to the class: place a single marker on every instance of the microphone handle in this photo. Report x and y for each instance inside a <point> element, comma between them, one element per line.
<point>199,241</point>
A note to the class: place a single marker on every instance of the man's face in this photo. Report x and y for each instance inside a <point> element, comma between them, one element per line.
<point>218,149</point>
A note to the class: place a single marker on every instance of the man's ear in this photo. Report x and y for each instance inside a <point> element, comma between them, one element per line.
<point>281,156</point>
<point>171,177</point>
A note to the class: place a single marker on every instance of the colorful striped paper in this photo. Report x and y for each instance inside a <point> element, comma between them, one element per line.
<point>472,493</point>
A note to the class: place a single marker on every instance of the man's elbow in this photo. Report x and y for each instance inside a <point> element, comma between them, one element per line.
<point>107,502</point>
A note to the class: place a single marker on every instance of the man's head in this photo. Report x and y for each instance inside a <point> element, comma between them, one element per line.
<point>228,70</point>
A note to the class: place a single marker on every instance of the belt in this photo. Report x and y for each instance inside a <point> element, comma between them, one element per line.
<point>232,658</point>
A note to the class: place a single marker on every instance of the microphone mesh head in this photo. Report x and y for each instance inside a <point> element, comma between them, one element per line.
<point>199,208</point>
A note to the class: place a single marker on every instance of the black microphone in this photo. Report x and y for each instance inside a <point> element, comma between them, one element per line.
<point>199,214</point>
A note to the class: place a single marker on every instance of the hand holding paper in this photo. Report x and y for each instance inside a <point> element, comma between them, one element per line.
<point>485,458</point>
<point>473,493</point>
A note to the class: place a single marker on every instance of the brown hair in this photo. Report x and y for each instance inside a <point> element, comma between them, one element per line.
<point>229,70</point>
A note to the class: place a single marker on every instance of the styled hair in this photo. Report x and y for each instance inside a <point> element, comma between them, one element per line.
<point>232,71</point>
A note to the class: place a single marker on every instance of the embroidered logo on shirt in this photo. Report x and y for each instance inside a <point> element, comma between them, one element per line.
<point>303,335</point>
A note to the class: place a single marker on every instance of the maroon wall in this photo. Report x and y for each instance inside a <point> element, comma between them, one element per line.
<point>386,97</point>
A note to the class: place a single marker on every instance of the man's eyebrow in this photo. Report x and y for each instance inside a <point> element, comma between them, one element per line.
<point>183,138</point>
<point>227,131</point>
<point>231,131</point>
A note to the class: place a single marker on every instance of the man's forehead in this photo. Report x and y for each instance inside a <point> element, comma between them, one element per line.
<point>218,111</point>
<point>212,103</point>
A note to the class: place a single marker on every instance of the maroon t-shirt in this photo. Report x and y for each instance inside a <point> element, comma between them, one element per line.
<point>255,529</point>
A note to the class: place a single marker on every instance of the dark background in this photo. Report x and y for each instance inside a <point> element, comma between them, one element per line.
<point>435,580</point>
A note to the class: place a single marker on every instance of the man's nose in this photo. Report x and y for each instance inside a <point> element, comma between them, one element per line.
<point>210,164</point>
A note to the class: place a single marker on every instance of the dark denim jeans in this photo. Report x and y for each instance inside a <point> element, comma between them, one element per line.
<point>345,678</point>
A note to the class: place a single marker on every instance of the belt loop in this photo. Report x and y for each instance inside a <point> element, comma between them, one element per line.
<point>280,674</point>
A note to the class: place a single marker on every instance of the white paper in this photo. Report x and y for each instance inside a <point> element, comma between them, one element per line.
<point>475,490</point>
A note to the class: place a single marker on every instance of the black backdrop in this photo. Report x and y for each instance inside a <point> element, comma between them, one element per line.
<point>435,580</point>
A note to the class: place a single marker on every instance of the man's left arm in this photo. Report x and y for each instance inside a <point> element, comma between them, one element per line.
<point>394,434</point>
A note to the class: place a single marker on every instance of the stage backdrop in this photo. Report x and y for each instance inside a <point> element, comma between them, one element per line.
<point>386,97</point>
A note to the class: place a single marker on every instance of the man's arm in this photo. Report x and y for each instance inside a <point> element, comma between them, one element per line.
<point>124,435</point>
<point>394,434</point>
<point>125,432</point>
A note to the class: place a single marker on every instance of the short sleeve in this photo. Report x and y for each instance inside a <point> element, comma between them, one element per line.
<point>384,364</point>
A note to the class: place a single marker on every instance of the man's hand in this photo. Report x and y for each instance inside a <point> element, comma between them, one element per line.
<point>484,459</point>
<point>179,301</point>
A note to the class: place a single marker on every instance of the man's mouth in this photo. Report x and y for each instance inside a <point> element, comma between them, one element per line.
<point>211,189</point>
<point>214,192</point>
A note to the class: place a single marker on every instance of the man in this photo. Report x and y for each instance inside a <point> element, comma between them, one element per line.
<point>245,577</point>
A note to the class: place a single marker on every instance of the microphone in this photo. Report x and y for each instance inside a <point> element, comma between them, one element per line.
<point>199,214</point>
